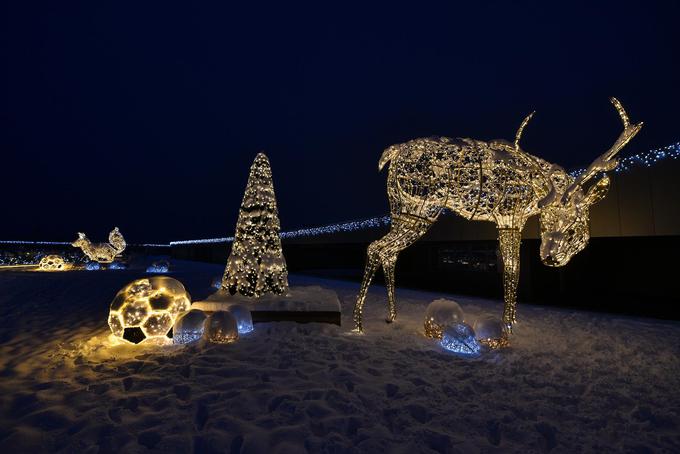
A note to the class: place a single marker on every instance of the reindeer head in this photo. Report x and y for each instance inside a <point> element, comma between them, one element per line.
<point>565,208</point>
<point>564,224</point>
<point>80,241</point>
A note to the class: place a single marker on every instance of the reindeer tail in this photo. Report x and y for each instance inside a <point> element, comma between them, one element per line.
<point>117,241</point>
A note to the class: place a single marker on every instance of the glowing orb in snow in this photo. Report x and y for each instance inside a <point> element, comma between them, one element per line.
<point>440,314</point>
<point>147,308</point>
<point>460,338</point>
<point>221,328</point>
<point>216,282</point>
<point>52,263</point>
<point>244,320</point>
<point>489,330</point>
<point>189,327</point>
<point>161,266</point>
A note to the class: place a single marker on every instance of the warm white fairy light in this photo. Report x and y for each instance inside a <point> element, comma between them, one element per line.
<point>256,264</point>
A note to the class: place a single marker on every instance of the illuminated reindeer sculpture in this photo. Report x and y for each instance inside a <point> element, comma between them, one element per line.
<point>102,252</point>
<point>487,181</point>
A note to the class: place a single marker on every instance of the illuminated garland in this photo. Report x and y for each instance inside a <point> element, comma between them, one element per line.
<point>646,159</point>
<point>351,226</point>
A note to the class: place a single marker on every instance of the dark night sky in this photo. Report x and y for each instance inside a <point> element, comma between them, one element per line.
<point>148,116</point>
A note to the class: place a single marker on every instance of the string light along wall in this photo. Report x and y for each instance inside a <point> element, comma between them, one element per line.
<point>487,181</point>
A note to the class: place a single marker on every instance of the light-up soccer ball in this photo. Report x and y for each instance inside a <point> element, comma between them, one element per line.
<point>489,331</point>
<point>52,263</point>
<point>459,338</point>
<point>147,309</point>
<point>221,328</point>
<point>440,314</point>
<point>244,320</point>
<point>189,327</point>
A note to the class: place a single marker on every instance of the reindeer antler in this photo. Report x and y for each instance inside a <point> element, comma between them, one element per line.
<point>606,161</point>
<point>532,162</point>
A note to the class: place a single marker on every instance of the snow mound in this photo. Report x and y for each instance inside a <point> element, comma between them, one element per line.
<point>570,382</point>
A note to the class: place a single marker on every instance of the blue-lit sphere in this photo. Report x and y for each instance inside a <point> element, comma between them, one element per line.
<point>244,320</point>
<point>117,266</point>
<point>161,266</point>
<point>460,338</point>
<point>92,266</point>
<point>189,327</point>
<point>488,327</point>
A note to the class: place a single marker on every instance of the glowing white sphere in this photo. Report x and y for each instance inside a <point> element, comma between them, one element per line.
<point>244,319</point>
<point>488,327</point>
<point>189,327</point>
<point>440,314</point>
<point>52,263</point>
<point>147,308</point>
<point>221,328</point>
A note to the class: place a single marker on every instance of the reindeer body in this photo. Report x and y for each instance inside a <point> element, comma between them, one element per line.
<point>481,181</point>
<point>486,181</point>
<point>102,252</point>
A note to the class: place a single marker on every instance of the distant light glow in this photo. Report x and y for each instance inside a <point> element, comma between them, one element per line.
<point>158,269</point>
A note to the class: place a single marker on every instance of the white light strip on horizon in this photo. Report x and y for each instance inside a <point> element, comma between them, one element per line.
<point>65,243</point>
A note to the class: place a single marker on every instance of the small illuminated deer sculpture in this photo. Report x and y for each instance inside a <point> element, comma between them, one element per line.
<point>487,181</point>
<point>102,252</point>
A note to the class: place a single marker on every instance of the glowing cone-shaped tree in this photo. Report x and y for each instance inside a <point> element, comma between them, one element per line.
<point>256,264</point>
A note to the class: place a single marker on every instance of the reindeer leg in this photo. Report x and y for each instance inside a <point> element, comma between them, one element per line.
<point>510,240</point>
<point>406,232</point>
<point>388,268</point>
<point>372,264</point>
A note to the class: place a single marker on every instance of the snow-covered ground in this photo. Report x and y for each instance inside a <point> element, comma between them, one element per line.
<point>571,382</point>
